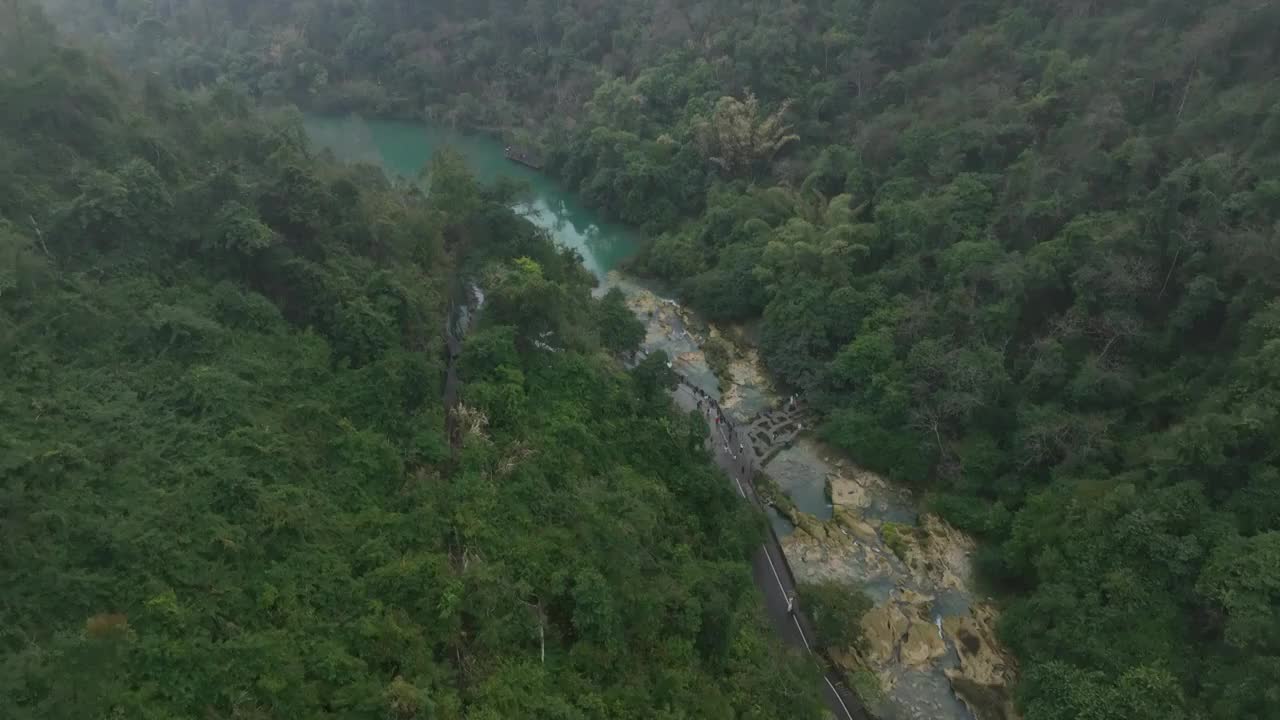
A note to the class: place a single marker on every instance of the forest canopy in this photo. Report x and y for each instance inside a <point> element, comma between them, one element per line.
<point>226,488</point>
<point>1022,255</point>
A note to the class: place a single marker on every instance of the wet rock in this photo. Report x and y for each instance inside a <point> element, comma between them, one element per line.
<point>847,660</point>
<point>861,530</point>
<point>986,702</point>
<point>849,489</point>
<point>922,645</point>
<point>813,527</point>
<point>745,372</point>
<point>986,675</point>
<point>898,631</point>
<point>919,602</point>
<point>937,554</point>
<point>731,395</point>
<point>884,629</point>
<point>692,357</point>
<point>817,558</point>
<point>947,553</point>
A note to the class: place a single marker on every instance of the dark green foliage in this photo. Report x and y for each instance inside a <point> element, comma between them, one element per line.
<point>621,332</point>
<point>1024,255</point>
<point>719,354</point>
<point>836,610</point>
<point>225,489</point>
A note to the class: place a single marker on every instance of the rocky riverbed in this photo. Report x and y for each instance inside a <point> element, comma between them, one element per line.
<point>929,641</point>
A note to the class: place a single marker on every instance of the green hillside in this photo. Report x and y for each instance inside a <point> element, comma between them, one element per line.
<point>1023,255</point>
<point>226,489</point>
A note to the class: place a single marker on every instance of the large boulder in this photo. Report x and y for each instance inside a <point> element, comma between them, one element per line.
<point>898,631</point>
<point>848,491</point>
<point>883,629</point>
<point>860,529</point>
<point>822,533</point>
<point>984,680</point>
<point>922,644</point>
<point>937,555</point>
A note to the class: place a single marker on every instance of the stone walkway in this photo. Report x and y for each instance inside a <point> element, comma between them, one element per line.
<point>774,429</point>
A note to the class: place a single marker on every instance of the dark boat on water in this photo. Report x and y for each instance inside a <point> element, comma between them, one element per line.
<point>524,157</point>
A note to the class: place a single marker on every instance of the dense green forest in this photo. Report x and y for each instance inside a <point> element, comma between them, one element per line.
<point>1022,254</point>
<point>225,485</point>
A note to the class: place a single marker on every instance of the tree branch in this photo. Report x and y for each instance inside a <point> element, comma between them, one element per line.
<point>40,236</point>
<point>1186,90</point>
<point>1169,274</point>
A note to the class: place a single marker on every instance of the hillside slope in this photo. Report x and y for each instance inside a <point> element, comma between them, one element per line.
<point>1020,254</point>
<point>225,486</point>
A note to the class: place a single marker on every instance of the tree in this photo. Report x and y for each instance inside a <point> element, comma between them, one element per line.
<point>1241,580</point>
<point>738,140</point>
<point>621,332</point>
<point>836,610</point>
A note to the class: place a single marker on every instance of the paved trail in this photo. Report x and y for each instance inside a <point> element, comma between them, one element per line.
<point>769,567</point>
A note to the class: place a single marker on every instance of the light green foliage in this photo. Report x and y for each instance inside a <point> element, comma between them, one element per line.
<point>866,684</point>
<point>896,537</point>
<point>738,140</point>
<point>238,228</point>
<point>1242,579</point>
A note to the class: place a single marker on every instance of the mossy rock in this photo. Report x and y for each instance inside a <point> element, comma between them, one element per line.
<point>775,496</point>
<point>861,529</point>
<point>897,537</point>
<point>866,685</point>
<point>719,354</point>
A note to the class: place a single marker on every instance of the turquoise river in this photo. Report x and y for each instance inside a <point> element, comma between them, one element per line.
<point>403,149</point>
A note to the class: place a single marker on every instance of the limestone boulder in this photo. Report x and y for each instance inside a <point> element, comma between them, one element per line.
<point>917,601</point>
<point>811,526</point>
<point>937,554</point>
<point>860,529</point>
<point>985,678</point>
<point>847,492</point>
<point>693,357</point>
<point>846,660</point>
<point>883,628</point>
<point>922,645</point>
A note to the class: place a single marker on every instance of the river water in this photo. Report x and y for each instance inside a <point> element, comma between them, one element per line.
<point>806,472</point>
<point>403,149</point>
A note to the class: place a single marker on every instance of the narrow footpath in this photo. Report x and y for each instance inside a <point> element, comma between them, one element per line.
<point>770,570</point>
<point>453,349</point>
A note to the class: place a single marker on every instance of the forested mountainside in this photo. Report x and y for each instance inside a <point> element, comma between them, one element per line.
<point>1021,254</point>
<point>225,485</point>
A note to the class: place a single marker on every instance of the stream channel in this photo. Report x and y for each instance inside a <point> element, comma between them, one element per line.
<point>923,633</point>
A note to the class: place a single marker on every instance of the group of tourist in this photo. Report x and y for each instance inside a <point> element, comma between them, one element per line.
<point>729,432</point>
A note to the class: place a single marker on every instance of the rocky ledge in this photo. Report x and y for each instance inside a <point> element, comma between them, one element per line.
<point>926,630</point>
